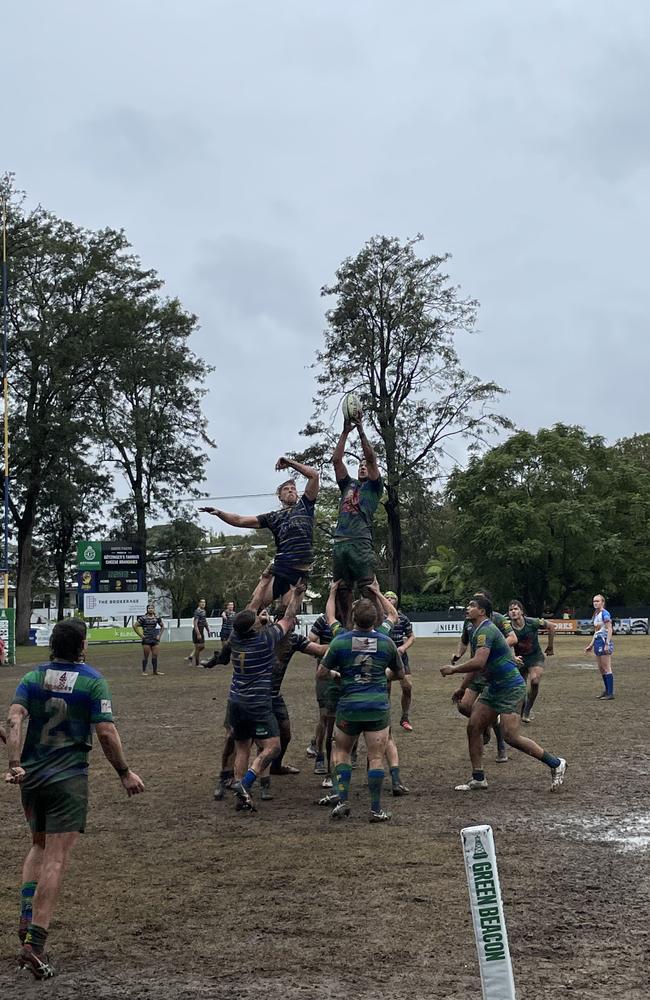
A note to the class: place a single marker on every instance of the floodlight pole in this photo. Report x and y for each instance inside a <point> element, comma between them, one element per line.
<point>5,397</point>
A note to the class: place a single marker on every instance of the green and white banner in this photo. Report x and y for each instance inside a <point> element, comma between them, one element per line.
<point>89,555</point>
<point>487,913</point>
<point>8,633</point>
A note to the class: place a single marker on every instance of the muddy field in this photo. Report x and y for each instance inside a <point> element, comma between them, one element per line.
<point>173,895</point>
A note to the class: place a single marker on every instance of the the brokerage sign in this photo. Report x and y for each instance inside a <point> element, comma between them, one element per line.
<point>115,605</point>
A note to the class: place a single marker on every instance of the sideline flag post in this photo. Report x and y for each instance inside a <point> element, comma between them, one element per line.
<point>487,913</point>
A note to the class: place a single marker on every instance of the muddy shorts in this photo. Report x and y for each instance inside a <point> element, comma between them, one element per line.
<point>350,723</point>
<point>534,660</point>
<point>477,684</point>
<point>252,724</point>
<point>353,560</point>
<point>280,710</point>
<point>59,807</point>
<point>602,647</point>
<point>508,700</point>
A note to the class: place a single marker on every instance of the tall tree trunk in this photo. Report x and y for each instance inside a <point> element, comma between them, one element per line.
<point>141,528</point>
<point>24,578</point>
<point>60,576</point>
<point>394,541</point>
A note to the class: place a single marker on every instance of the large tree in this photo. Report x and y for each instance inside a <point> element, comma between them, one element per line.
<point>59,276</point>
<point>390,337</point>
<point>553,517</point>
<point>89,336</point>
<point>148,399</point>
<point>72,507</point>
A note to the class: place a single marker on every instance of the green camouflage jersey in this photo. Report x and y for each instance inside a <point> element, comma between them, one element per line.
<point>500,670</point>
<point>63,701</point>
<point>528,646</point>
<point>359,501</point>
<point>361,659</point>
<point>503,624</point>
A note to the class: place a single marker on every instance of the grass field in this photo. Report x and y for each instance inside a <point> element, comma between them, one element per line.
<point>173,895</point>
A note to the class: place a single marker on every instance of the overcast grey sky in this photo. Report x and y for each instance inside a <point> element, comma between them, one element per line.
<point>246,148</point>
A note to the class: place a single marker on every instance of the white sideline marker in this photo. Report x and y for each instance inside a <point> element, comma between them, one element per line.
<point>487,913</point>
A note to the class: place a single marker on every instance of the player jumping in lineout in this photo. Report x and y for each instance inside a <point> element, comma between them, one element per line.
<point>292,528</point>
<point>353,555</point>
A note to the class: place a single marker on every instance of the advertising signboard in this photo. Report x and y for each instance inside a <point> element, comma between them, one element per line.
<point>115,605</point>
<point>8,633</point>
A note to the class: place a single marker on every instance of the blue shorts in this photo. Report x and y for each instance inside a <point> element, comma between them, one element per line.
<point>602,647</point>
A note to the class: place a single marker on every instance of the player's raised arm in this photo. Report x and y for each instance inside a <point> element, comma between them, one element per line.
<point>288,621</point>
<point>340,468</point>
<point>311,475</point>
<point>330,607</point>
<point>368,453</point>
<point>236,520</point>
<point>389,610</point>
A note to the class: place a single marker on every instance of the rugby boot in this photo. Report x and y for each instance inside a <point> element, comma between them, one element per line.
<point>244,800</point>
<point>328,800</point>
<point>399,789</point>
<point>558,775</point>
<point>340,811</point>
<point>379,817</point>
<point>37,962</point>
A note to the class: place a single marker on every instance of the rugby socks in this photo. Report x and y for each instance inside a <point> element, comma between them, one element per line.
<point>394,776</point>
<point>154,664</point>
<point>342,779</point>
<point>144,666</point>
<point>550,760</point>
<point>27,891</point>
<point>608,680</point>
<point>225,775</point>
<point>375,782</point>
<point>501,743</point>
<point>478,775</point>
<point>249,778</point>
<point>36,937</point>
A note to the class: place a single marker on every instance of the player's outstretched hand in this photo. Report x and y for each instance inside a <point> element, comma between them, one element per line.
<point>282,463</point>
<point>207,510</point>
<point>447,670</point>
<point>15,775</point>
<point>132,784</point>
<point>334,586</point>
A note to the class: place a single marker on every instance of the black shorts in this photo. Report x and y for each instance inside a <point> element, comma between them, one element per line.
<point>405,664</point>
<point>198,642</point>
<point>285,577</point>
<point>59,807</point>
<point>227,724</point>
<point>252,723</point>
<point>151,642</point>
<point>280,710</point>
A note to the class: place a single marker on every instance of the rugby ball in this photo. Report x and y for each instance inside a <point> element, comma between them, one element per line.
<point>351,406</point>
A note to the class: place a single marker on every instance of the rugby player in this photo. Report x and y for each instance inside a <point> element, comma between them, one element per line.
<point>251,709</point>
<point>292,529</point>
<point>199,628</point>
<point>321,633</point>
<point>284,651</point>
<point>353,555</point>
<point>150,628</point>
<point>362,661</point>
<point>227,616</point>
<point>403,637</point>
<point>603,646</point>
<point>529,651</point>
<point>503,695</point>
<point>61,700</point>
<point>473,684</point>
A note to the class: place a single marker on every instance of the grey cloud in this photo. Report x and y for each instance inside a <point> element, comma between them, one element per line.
<point>128,140</point>
<point>258,280</point>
